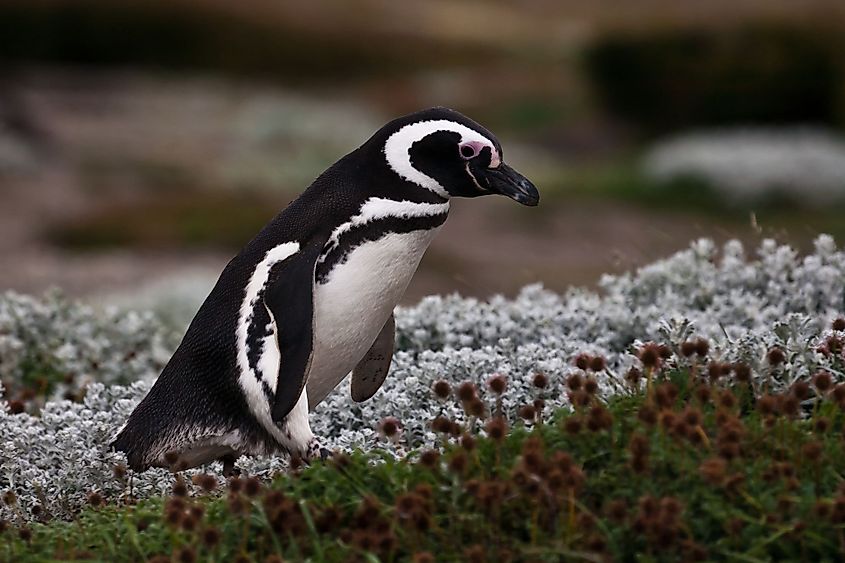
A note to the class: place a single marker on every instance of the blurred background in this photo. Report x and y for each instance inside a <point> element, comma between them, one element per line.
<point>143,142</point>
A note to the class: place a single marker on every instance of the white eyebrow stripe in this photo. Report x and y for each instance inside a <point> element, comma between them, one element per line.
<point>398,145</point>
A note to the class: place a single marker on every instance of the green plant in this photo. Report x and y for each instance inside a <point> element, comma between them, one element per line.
<point>696,460</point>
<point>680,78</point>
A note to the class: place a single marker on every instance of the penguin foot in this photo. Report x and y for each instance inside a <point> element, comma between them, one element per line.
<point>229,469</point>
<point>316,451</point>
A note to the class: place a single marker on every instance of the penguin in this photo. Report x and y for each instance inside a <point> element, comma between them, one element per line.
<point>311,297</point>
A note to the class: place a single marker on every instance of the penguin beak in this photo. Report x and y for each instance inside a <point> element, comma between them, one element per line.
<point>506,181</point>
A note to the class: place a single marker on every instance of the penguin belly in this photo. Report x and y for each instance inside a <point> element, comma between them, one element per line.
<point>355,301</point>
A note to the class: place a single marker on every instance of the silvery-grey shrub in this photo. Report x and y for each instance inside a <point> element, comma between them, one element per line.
<point>76,344</point>
<point>743,304</point>
<point>752,165</point>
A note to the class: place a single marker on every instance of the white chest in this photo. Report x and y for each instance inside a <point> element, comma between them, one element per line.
<point>353,304</point>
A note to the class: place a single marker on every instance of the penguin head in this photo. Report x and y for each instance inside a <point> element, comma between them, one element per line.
<point>452,155</point>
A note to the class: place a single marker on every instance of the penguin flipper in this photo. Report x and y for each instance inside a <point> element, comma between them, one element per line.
<point>290,301</point>
<point>370,372</point>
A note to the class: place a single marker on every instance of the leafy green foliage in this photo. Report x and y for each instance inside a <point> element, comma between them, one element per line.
<point>682,78</point>
<point>694,461</point>
<point>96,33</point>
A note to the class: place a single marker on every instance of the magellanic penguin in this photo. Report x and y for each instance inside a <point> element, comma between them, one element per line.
<point>311,297</point>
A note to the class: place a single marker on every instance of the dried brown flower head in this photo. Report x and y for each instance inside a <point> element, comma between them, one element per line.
<point>692,416</point>
<point>582,361</point>
<point>475,408</point>
<point>823,381</point>
<point>633,376</point>
<point>173,517</point>
<point>617,510</point>
<point>812,451</point>
<point>775,356</point>
<point>767,405</point>
<point>441,424</point>
<point>742,372</point>
<point>205,481</point>
<point>179,488</point>
<point>666,394</point>
<point>648,415</point>
<point>252,486</point>
<point>236,504</point>
<point>727,400</point>
<point>572,425</point>
<point>650,355</point>
<point>527,413</point>
<point>540,380</point>
<point>186,554</point>
<point>210,537</point>
<point>474,554</point>
<point>497,428</point>
<point>801,390</point>
<point>389,426</point>
<point>236,485</point>
<point>458,462</point>
<point>497,383</point>
<point>574,381</point>
<point>95,499</point>
<point>713,470</point>
<point>197,511</point>
<point>189,523</point>
<point>714,371</point>
<point>580,398</point>
<point>688,348</point>
<point>821,424</point>
<point>430,458</point>
<point>119,471</point>
<point>466,391</point>
<point>442,389</point>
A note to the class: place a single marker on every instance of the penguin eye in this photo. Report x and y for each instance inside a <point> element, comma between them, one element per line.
<point>470,150</point>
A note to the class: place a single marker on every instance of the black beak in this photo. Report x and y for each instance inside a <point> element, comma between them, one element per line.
<point>506,181</point>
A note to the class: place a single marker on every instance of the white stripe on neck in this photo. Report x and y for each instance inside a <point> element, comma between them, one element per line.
<point>378,208</point>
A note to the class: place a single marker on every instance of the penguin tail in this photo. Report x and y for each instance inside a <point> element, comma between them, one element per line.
<point>125,443</point>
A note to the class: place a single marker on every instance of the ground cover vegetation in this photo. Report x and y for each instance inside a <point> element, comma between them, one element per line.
<point>693,408</point>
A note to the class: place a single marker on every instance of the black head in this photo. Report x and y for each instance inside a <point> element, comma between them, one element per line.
<point>451,155</point>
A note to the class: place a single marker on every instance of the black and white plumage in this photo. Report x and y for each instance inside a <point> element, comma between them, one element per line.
<point>311,297</point>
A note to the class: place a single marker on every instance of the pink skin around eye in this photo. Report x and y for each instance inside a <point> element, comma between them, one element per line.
<point>471,149</point>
